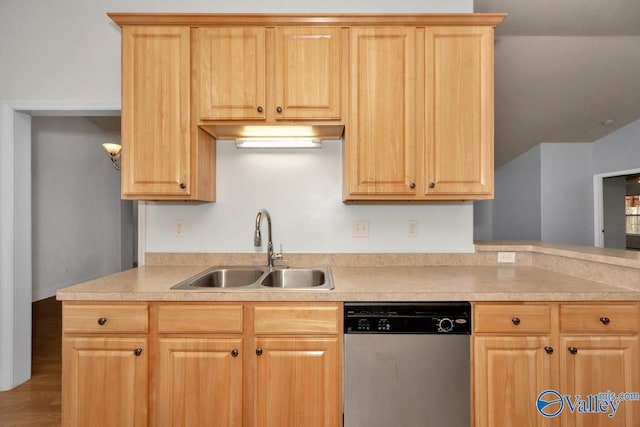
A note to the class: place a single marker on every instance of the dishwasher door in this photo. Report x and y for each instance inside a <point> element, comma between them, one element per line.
<point>407,380</point>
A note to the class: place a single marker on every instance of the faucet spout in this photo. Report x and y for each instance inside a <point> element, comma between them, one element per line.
<point>257,237</point>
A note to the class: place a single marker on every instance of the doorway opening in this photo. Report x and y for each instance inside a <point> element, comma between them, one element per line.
<point>616,211</point>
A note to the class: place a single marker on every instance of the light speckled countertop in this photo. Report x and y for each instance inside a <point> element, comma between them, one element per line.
<point>431,283</point>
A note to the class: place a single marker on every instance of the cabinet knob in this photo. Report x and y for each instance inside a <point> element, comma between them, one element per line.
<point>432,185</point>
<point>183,185</point>
<point>605,320</point>
<point>279,109</point>
<point>259,351</point>
<point>548,349</point>
<point>572,350</point>
<point>259,109</point>
<point>412,185</point>
<point>137,351</point>
<point>102,321</point>
<point>516,321</point>
<point>234,352</point>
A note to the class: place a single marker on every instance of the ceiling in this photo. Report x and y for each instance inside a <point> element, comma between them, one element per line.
<point>562,68</point>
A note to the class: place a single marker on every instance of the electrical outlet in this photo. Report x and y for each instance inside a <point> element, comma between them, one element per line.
<point>412,228</point>
<point>179,227</point>
<point>506,257</point>
<point>360,229</point>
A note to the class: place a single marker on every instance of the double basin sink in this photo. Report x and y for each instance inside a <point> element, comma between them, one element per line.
<point>316,278</point>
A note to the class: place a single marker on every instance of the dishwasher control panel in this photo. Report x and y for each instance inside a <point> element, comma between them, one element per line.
<point>407,318</point>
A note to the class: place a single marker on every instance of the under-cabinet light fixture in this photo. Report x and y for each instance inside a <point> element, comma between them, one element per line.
<point>278,142</point>
<point>113,150</point>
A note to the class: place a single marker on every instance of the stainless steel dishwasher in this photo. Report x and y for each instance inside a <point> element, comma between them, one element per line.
<point>407,364</point>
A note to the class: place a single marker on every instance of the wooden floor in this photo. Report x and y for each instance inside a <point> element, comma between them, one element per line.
<point>36,403</point>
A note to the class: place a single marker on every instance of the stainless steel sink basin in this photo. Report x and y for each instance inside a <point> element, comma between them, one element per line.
<point>254,278</point>
<point>295,278</point>
<point>223,277</point>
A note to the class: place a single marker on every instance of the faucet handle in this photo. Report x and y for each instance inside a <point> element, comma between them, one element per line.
<point>278,255</point>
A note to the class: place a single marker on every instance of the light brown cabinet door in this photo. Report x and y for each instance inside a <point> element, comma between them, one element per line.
<point>591,365</point>
<point>199,382</point>
<point>231,71</point>
<point>156,149</point>
<point>297,382</point>
<point>380,149</point>
<point>307,73</point>
<point>509,373</point>
<point>459,111</point>
<point>105,382</point>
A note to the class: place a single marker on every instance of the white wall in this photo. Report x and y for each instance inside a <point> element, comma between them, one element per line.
<point>302,191</point>
<point>76,213</point>
<point>566,211</point>
<point>516,206</point>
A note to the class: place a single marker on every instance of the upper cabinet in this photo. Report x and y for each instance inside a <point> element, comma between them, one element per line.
<point>268,74</point>
<point>459,112</point>
<point>381,151</point>
<point>421,123</point>
<point>231,72</point>
<point>412,95</point>
<point>163,156</point>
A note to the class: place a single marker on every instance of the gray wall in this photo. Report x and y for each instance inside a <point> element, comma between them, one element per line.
<point>76,207</point>
<point>618,151</point>
<point>547,192</point>
<point>566,213</point>
<point>516,207</point>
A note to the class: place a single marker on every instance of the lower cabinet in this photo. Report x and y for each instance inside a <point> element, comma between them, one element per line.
<point>199,382</point>
<point>297,382</point>
<point>202,364</point>
<point>105,365</point>
<point>509,374</point>
<point>577,353</point>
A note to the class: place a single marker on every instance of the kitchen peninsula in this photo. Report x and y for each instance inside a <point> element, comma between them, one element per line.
<point>560,295</point>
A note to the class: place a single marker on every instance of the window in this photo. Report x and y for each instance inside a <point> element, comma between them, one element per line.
<point>632,211</point>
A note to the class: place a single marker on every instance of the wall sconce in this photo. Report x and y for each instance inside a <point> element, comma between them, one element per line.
<point>114,153</point>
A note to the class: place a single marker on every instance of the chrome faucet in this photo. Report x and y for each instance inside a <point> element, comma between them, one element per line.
<point>257,238</point>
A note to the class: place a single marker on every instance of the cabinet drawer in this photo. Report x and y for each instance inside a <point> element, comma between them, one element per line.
<point>101,318</point>
<point>296,319</point>
<point>200,318</point>
<point>512,318</point>
<point>601,318</point>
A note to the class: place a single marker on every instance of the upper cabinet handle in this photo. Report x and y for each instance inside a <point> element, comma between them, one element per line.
<point>183,185</point>
<point>279,109</point>
<point>432,185</point>
<point>605,320</point>
<point>259,109</point>
<point>412,185</point>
